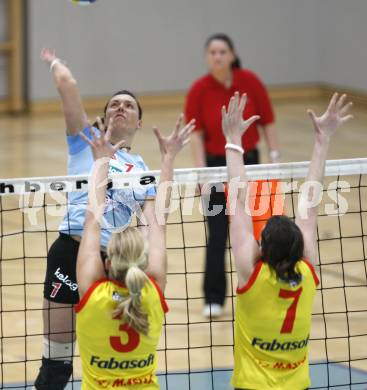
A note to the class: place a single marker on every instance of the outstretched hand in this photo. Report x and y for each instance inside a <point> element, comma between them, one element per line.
<point>48,55</point>
<point>101,146</point>
<point>233,124</point>
<point>170,145</point>
<point>335,116</point>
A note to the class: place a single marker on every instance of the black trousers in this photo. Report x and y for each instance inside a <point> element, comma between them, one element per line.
<point>61,271</point>
<point>215,278</point>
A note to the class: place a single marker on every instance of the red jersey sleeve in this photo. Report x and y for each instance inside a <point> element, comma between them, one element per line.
<point>262,101</point>
<point>192,106</point>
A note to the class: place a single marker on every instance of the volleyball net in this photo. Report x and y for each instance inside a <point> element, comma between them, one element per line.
<point>195,352</point>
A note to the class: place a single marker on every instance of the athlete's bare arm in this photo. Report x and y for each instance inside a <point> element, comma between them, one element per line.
<point>75,116</point>
<point>244,244</point>
<point>156,216</point>
<point>89,266</point>
<point>325,126</point>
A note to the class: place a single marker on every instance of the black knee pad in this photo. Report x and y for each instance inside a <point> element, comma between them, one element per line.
<point>53,375</point>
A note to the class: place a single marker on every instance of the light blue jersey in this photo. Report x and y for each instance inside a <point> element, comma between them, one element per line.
<point>120,204</point>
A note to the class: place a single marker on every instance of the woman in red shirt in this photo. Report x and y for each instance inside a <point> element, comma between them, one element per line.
<point>204,102</point>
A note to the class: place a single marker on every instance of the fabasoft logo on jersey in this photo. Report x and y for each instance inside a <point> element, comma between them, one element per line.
<point>113,364</point>
<point>275,345</point>
<point>65,279</point>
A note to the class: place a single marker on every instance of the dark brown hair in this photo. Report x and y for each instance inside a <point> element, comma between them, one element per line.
<point>282,246</point>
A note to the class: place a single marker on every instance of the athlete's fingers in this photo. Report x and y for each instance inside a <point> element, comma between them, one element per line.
<point>86,139</point>
<point>178,124</point>
<point>224,119</point>
<point>108,132</point>
<point>333,101</point>
<point>346,118</point>
<point>186,141</point>
<point>101,125</point>
<point>344,110</point>
<point>188,128</point>
<point>251,120</point>
<point>160,139</point>
<point>243,102</point>
<point>340,102</point>
<point>107,136</point>
<point>186,134</point>
<point>224,112</point>
<point>158,134</point>
<point>313,117</point>
<point>236,100</point>
<point>119,144</point>
<point>191,123</point>
<point>230,106</point>
<point>93,135</point>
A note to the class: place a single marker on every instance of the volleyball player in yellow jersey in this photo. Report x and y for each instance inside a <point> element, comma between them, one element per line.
<point>276,280</point>
<point>120,316</point>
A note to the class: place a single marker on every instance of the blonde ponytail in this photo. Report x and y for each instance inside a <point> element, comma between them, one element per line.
<point>126,250</point>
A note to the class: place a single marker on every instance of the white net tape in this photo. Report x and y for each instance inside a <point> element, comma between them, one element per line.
<point>295,170</point>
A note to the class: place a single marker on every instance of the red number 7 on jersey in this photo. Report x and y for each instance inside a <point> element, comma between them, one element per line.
<point>129,167</point>
<point>291,312</point>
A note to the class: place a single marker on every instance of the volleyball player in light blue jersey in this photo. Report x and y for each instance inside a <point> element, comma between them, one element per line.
<point>123,114</point>
<point>120,204</point>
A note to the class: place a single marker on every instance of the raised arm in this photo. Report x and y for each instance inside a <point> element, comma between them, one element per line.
<point>244,245</point>
<point>89,266</point>
<point>325,126</point>
<point>75,116</point>
<point>157,217</point>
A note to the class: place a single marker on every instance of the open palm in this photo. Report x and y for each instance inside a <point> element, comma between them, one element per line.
<point>335,116</point>
<point>170,145</point>
<point>101,146</point>
<point>233,124</point>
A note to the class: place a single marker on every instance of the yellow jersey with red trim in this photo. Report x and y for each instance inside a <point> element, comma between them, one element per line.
<point>272,328</point>
<point>115,356</point>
